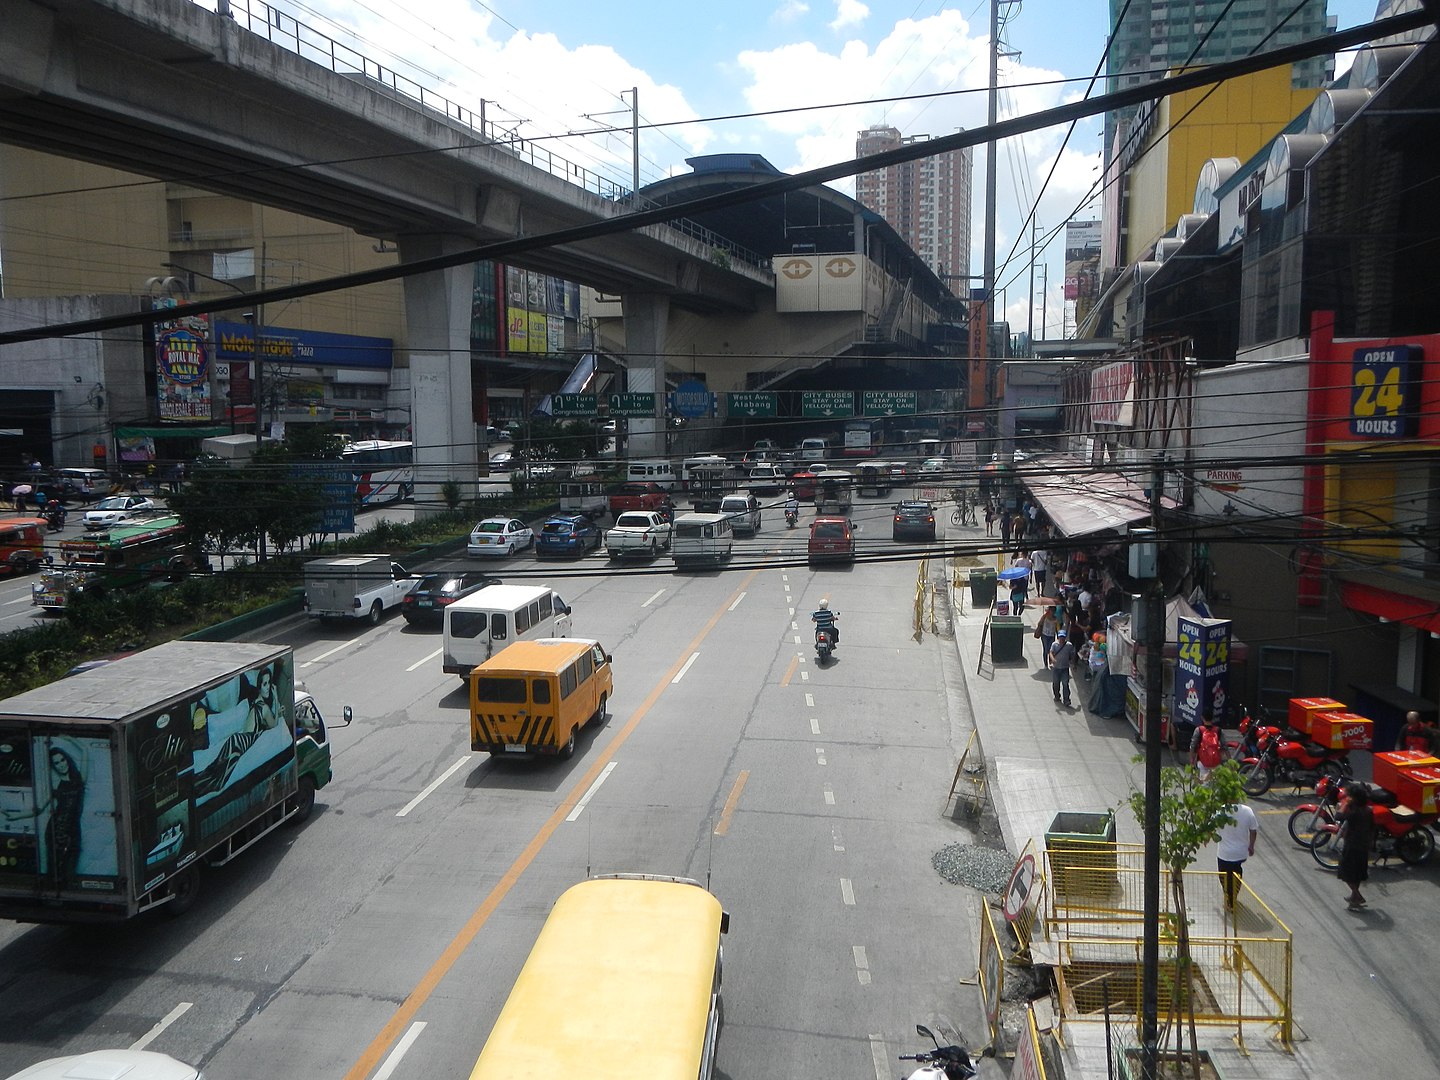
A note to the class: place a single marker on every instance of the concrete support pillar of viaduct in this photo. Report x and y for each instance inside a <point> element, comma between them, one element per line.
<point>646,319</point>
<point>437,321</point>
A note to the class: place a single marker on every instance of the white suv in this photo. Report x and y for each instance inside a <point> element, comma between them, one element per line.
<point>743,509</point>
<point>767,478</point>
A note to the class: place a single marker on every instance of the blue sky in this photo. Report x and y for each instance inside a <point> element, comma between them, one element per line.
<point>543,68</point>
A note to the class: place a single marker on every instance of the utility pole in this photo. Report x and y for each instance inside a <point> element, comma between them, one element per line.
<point>1030,307</point>
<point>988,285</point>
<point>634,138</point>
<point>1145,567</point>
<point>258,325</point>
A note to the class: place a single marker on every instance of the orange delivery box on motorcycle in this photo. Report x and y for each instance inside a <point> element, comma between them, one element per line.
<point>1342,730</point>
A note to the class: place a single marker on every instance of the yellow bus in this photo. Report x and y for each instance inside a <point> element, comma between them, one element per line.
<point>623,982</point>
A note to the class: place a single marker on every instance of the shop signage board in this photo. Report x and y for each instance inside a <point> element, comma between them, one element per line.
<point>755,403</point>
<point>887,403</point>
<point>1202,668</point>
<point>569,406</point>
<point>823,404</point>
<point>633,404</point>
<point>1384,393</point>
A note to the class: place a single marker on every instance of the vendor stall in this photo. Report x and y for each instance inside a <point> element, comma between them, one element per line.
<point>1203,667</point>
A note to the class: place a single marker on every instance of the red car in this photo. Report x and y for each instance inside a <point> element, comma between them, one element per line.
<point>832,539</point>
<point>803,484</point>
<point>635,496</point>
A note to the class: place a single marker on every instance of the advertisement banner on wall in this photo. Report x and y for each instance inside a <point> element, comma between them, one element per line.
<point>1112,394</point>
<point>1202,669</point>
<point>1082,259</point>
<point>182,367</point>
<point>517,330</point>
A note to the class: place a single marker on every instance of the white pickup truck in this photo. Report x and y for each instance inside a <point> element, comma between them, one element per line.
<point>354,586</point>
<point>638,532</point>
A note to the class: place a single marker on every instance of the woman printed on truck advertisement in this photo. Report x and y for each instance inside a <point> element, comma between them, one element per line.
<point>262,713</point>
<point>64,812</point>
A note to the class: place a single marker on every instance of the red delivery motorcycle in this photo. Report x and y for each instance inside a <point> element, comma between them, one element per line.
<point>1309,818</point>
<point>1399,831</point>
<point>1290,761</point>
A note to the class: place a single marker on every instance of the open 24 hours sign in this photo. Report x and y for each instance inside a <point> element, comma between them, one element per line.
<point>1202,669</point>
<point>1384,393</point>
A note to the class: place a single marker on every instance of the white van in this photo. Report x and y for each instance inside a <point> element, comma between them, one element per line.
<point>483,623</point>
<point>743,509</point>
<point>660,473</point>
<point>813,449</point>
<point>701,540</point>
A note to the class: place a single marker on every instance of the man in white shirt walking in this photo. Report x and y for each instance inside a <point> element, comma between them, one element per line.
<point>1233,846</point>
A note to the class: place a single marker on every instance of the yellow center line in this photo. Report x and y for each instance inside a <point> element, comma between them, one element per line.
<point>417,997</point>
<point>723,826</point>
<point>789,671</point>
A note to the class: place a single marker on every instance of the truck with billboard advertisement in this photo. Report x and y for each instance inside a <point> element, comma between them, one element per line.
<point>118,783</point>
<point>118,558</point>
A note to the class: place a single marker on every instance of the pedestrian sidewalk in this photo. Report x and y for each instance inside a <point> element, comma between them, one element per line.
<point>1042,759</point>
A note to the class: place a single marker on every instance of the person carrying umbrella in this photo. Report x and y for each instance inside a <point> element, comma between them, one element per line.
<point>21,494</point>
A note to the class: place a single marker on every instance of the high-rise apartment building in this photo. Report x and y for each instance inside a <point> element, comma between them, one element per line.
<point>1156,36</point>
<point>926,201</point>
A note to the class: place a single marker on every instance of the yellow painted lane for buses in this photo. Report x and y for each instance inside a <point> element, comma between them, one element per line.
<point>417,997</point>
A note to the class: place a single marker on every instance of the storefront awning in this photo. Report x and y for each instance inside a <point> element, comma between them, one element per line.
<point>1418,606</point>
<point>1086,502</point>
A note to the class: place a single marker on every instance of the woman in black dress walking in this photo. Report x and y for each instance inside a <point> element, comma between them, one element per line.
<point>1358,832</point>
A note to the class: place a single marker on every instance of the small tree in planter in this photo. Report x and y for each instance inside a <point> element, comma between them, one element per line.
<point>1192,813</point>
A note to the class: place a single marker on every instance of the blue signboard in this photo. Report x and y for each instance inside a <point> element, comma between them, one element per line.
<point>1384,398</point>
<point>1202,669</point>
<point>337,486</point>
<point>692,399</point>
<point>236,342</point>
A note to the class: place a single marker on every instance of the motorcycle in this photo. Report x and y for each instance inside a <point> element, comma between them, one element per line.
<point>1252,722</point>
<point>947,1062</point>
<point>54,517</point>
<point>824,646</point>
<point>791,517</point>
<point>1290,761</point>
<point>1307,819</point>
<point>1399,831</point>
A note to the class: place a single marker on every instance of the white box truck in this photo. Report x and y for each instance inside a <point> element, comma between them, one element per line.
<point>354,586</point>
<point>117,783</point>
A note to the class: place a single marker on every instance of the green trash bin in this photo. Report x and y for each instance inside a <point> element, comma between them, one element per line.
<point>982,589</point>
<point>1081,850</point>
<point>1007,639</point>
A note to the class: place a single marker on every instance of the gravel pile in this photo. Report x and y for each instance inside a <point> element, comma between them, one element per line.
<point>983,868</point>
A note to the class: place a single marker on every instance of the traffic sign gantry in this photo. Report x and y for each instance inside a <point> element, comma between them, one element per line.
<point>634,404</point>
<point>750,403</point>
<point>887,403</point>
<point>820,404</point>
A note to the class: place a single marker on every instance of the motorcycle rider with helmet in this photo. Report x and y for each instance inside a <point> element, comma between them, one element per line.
<point>826,622</point>
<point>792,509</point>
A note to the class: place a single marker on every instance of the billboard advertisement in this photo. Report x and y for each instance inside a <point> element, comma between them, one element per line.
<point>1082,265</point>
<point>182,366</point>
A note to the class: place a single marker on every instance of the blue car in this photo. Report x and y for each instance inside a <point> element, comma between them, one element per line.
<point>567,534</point>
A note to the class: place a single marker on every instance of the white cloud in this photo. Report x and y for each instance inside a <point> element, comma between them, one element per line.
<point>849,13</point>
<point>790,11</point>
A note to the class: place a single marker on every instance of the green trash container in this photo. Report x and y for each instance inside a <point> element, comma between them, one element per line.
<point>1007,639</point>
<point>1081,850</point>
<point>982,589</point>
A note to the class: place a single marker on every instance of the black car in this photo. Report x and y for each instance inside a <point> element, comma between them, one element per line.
<point>914,519</point>
<point>426,601</point>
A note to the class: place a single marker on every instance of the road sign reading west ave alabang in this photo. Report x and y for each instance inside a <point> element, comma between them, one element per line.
<point>819,404</point>
<point>887,403</point>
<point>634,404</point>
<point>750,403</point>
<point>572,405</point>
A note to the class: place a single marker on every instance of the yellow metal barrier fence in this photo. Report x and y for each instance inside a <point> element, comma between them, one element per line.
<point>1241,954</point>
